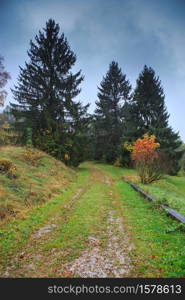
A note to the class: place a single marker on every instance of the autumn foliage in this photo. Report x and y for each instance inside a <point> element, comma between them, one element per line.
<point>145,149</point>
<point>146,157</point>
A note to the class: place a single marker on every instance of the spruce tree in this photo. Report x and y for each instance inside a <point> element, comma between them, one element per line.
<point>114,91</point>
<point>46,90</point>
<point>147,113</point>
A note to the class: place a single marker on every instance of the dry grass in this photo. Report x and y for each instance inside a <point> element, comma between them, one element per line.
<point>38,177</point>
<point>132,178</point>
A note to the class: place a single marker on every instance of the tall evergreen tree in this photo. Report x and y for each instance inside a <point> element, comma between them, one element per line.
<point>46,89</point>
<point>114,91</point>
<point>147,113</point>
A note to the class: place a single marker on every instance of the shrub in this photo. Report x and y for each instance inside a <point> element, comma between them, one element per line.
<point>146,158</point>
<point>6,208</point>
<point>125,157</point>
<point>181,173</point>
<point>166,163</point>
<point>118,163</point>
<point>7,167</point>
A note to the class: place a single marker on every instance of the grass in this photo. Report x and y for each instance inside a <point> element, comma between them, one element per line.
<point>88,217</point>
<point>81,210</point>
<point>158,253</point>
<point>171,189</point>
<point>16,233</point>
<point>38,177</point>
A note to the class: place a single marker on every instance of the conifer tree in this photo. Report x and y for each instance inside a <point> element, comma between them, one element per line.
<point>46,90</point>
<point>114,91</point>
<point>147,113</point>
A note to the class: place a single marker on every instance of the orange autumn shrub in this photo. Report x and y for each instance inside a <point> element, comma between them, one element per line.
<point>146,157</point>
<point>145,149</point>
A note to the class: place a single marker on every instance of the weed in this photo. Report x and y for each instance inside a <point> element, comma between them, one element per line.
<point>160,201</point>
<point>32,156</point>
<point>175,228</point>
<point>8,168</point>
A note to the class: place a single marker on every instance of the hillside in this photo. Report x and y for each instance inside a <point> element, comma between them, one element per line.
<point>28,178</point>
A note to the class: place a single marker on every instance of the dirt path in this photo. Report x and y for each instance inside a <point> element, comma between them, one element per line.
<point>85,238</point>
<point>101,262</point>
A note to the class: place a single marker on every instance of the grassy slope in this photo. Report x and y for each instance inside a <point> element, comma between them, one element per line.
<point>35,181</point>
<point>170,189</point>
<point>158,253</point>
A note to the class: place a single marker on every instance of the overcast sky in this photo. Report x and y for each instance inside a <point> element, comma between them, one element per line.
<point>131,32</point>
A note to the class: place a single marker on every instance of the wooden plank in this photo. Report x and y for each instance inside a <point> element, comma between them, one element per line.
<point>173,213</point>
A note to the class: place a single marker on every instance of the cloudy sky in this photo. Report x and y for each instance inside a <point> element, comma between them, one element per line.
<point>131,32</point>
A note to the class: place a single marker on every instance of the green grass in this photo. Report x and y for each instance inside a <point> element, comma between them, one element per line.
<point>16,233</point>
<point>76,215</point>
<point>170,188</point>
<point>88,217</point>
<point>82,210</point>
<point>157,253</point>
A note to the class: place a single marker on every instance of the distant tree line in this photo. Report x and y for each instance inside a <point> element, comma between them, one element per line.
<point>46,107</point>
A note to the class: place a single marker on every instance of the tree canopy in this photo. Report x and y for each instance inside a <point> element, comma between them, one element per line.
<point>45,93</point>
<point>113,93</point>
